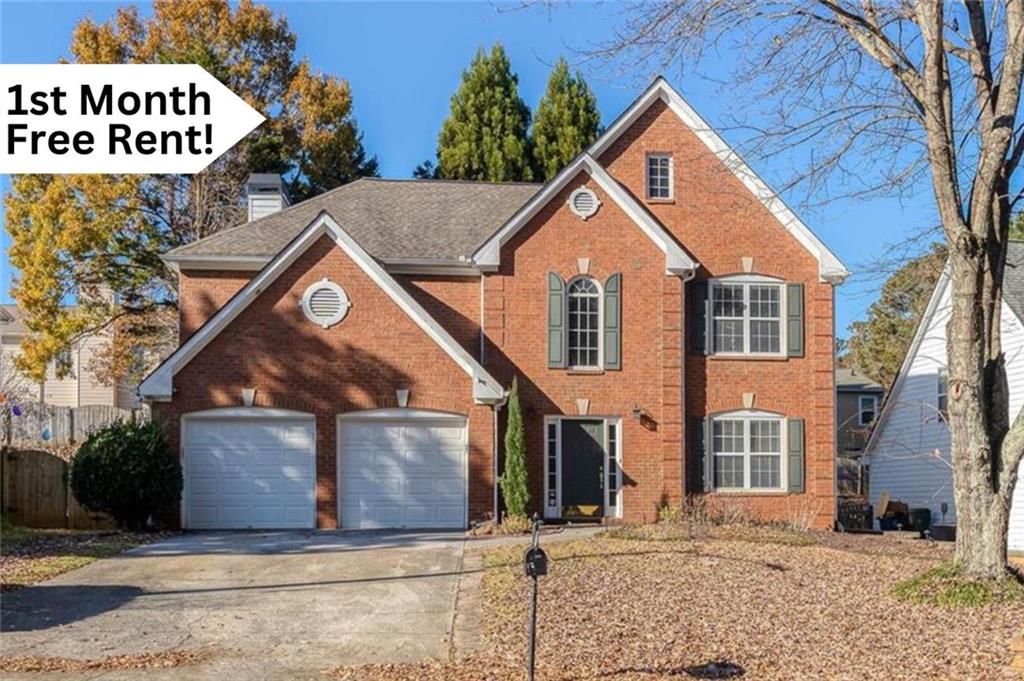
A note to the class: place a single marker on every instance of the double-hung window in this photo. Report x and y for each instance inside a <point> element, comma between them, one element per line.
<point>867,408</point>
<point>584,322</point>
<point>659,176</point>
<point>746,317</point>
<point>747,451</point>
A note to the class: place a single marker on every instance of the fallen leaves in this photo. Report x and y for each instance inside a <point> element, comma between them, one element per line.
<point>635,606</point>
<point>29,556</point>
<point>161,660</point>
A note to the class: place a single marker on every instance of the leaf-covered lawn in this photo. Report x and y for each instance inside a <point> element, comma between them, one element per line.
<point>28,556</point>
<point>653,606</point>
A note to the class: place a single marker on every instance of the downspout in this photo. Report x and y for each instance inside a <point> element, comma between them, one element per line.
<point>481,334</point>
<point>835,421</point>
<point>684,436</point>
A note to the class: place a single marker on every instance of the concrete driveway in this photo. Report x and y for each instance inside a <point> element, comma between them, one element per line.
<point>264,605</point>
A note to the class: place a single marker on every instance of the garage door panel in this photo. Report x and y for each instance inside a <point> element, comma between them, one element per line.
<point>402,474</point>
<point>248,473</point>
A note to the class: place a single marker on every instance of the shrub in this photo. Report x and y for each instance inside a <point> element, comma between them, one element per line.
<point>514,489</point>
<point>128,470</point>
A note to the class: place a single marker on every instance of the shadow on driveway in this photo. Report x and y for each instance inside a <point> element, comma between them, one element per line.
<point>42,607</point>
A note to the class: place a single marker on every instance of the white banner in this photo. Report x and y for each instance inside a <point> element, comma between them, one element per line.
<point>116,118</point>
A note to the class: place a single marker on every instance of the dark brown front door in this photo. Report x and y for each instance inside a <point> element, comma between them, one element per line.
<point>582,468</point>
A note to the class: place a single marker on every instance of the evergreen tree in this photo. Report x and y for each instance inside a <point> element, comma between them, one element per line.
<point>425,171</point>
<point>484,136</point>
<point>514,488</point>
<point>566,122</point>
<point>878,344</point>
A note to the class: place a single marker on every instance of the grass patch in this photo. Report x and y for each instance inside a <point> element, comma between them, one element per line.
<point>28,556</point>
<point>658,532</point>
<point>946,586</point>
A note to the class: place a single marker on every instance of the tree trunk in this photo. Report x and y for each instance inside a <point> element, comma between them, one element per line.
<point>976,371</point>
<point>981,519</point>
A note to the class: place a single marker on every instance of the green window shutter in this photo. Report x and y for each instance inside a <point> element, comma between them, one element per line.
<point>795,320</point>
<point>613,322</point>
<point>795,454</point>
<point>556,321</point>
<point>699,317</point>
<point>699,475</point>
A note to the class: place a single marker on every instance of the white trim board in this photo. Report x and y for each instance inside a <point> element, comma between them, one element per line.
<point>159,384</point>
<point>677,260</point>
<point>830,267</point>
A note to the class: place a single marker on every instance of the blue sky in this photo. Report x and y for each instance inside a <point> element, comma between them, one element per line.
<point>404,60</point>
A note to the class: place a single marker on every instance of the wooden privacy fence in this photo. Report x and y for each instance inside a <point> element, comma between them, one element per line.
<point>43,423</point>
<point>35,491</point>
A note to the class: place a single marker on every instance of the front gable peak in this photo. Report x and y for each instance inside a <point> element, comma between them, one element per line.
<point>677,261</point>
<point>830,268</point>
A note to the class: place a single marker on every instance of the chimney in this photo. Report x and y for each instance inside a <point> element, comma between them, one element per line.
<point>264,195</point>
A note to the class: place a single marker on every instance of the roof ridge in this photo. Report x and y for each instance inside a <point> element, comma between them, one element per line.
<point>438,180</point>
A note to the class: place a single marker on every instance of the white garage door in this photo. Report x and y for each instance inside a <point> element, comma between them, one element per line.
<point>249,473</point>
<point>403,473</point>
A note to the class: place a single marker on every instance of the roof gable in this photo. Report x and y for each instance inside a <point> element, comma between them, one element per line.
<point>677,261</point>
<point>159,384</point>
<point>830,268</point>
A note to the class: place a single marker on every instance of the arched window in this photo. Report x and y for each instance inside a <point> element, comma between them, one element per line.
<point>584,312</point>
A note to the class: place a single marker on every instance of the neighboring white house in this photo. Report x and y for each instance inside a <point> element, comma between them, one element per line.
<point>909,450</point>
<point>79,388</point>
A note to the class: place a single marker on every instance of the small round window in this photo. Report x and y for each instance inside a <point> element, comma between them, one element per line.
<point>583,202</point>
<point>325,303</point>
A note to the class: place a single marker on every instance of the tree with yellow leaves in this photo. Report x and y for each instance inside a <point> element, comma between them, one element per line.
<point>98,238</point>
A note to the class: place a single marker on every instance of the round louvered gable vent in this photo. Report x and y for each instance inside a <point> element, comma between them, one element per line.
<point>325,303</point>
<point>584,203</point>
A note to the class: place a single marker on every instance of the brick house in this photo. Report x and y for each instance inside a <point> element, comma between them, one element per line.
<point>344,361</point>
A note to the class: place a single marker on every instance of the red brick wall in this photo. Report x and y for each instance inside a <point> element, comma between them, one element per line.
<point>453,301</point>
<point>202,293</point>
<point>516,327</point>
<point>719,222</point>
<point>357,364</point>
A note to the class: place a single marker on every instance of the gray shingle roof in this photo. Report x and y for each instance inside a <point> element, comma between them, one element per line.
<point>1013,279</point>
<point>391,219</point>
<point>851,379</point>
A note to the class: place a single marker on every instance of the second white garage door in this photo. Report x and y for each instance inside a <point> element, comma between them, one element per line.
<point>402,472</point>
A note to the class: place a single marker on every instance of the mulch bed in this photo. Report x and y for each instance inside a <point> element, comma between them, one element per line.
<point>669,608</point>
<point>28,556</point>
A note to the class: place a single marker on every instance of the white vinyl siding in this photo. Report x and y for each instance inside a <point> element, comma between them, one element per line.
<point>910,455</point>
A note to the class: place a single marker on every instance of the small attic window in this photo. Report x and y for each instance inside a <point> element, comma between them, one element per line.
<point>325,303</point>
<point>584,203</point>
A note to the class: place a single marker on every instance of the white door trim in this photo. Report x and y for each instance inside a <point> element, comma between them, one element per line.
<point>236,413</point>
<point>556,510</point>
<point>407,415</point>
